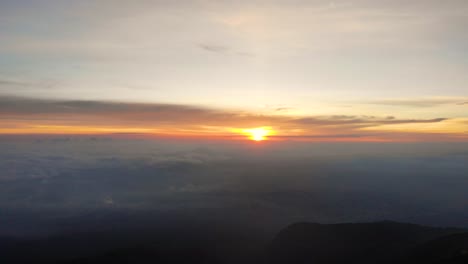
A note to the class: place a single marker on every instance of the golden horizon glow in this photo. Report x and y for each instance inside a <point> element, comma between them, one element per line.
<point>37,116</point>
<point>257,134</point>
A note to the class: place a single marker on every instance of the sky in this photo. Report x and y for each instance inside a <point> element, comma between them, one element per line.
<point>308,70</point>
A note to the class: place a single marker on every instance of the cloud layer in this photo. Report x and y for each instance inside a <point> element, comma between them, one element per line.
<point>316,181</point>
<point>23,115</point>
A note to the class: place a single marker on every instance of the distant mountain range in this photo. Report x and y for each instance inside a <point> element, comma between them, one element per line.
<point>364,243</point>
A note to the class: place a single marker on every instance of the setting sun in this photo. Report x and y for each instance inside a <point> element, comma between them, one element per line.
<point>259,133</point>
<point>255,134</point>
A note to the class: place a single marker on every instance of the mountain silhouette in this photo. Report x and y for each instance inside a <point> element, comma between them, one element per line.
<point>380,242</point>
<point>364,243</point>
<point>452,249</point>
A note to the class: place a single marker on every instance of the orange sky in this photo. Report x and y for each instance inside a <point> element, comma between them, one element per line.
<point>34,116</point>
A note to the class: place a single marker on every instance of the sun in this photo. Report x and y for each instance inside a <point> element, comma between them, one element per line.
<point>256,134</point>
<point>259,133</point>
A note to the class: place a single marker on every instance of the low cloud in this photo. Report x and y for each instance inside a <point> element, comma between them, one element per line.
<point>10,85</point>
<point>221,49</point>
<point>26,115</point>
<point>423,102</point>
<point>214,48</point>
<point>283,109</point>
<point>364,121</point>
<point>283,179</point>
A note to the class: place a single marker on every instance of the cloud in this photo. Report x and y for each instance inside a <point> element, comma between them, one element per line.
<point>34,106</point>
<point>13,83</point>
<point>364,121</point>
<point>317,176</point>
<point>221,49</point>
<point>214,48</point>
<point>27,115</point>
<point>168,117</point>
<point>283,109</point>
<point>9,85</point>
<point>421,102</point>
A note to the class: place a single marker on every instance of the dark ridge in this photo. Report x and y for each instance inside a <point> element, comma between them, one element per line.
<point>363,243</point>
<point>451,249</point>
<point>379,242</point>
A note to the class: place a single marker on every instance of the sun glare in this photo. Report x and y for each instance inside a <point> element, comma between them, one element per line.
<point>259,133</point>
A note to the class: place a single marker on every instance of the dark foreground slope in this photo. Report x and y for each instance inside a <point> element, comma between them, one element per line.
<point>452,249</point>
<point>195,244</point>
<point>381,242</point>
